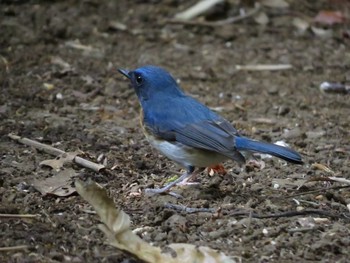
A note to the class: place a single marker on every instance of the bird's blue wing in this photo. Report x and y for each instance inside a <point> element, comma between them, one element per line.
<point>189,122</point>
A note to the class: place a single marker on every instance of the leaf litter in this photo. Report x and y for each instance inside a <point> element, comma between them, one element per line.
<point>116,226</point>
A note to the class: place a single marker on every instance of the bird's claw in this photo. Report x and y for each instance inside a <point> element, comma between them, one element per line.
<point>152,192</point>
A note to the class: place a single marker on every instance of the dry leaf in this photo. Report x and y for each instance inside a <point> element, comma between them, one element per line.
<point>117,228</point>
<point>60,160</point>
<point>59,184</point>
<point>60,62</point>
<point>330,17</point>
<point>301,24</point>
<point>275,3</point>
<point>320,32</point>
<point>48,86</point>
<point>287,183</point>
<point>261,18</point>
<point>258,164</point>
<point>322,167</point>
<point>217,169</point>
<point>308,222</point>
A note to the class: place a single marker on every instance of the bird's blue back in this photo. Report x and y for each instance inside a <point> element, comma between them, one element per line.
<point>167,112</point>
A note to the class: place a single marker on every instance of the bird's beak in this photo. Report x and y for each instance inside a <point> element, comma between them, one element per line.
<point>124,72</point>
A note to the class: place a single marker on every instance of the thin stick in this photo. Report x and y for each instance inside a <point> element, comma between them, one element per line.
<point>317,191</point>
<point>4,249</point>
<point>189,210</point>
<point>223,22</point>
<point>292,213</point>
<point>197,9</point>
<point>339,180</point>
<point>252,214</point>
<point>260,67</point>
<point>18,216</point>
<point>56,152</point>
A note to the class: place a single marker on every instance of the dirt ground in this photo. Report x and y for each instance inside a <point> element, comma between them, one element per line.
<point>59,86</point>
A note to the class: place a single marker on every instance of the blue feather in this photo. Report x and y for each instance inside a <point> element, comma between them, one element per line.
<point>245,144</point>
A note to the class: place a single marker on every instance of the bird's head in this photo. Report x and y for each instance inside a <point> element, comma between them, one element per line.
<point>149,81</point>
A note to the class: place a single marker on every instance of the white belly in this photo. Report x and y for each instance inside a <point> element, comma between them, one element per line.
<point>187,156</point>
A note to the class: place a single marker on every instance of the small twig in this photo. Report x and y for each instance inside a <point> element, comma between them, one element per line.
<point>197,9</point>
<point>302,229</point>
<point>18,216</point>
<point>5,249</point>
<point>229,20</point>
<point>290,214</point>
<point>259,67</point>
<point>56,152</point>
<point>182,208</point>
<point>318,190</point>
<point>6,63</point>
<point>249,221</point>
<point>54,225</point>
<point>339,180</point>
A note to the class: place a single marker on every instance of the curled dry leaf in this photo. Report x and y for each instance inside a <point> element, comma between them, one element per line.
<point>322,167</point>
<point>116,226</point>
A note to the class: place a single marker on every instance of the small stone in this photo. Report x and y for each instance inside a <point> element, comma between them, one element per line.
<point>319,197</point>
<point>300,208</point>
<point>283,110</point>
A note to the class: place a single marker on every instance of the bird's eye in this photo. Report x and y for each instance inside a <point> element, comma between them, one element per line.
<point>139,79</point>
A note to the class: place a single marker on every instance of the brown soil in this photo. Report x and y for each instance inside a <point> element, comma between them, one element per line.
<point>89,106</point>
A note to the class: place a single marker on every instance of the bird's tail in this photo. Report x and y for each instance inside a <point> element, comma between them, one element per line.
<point>245,144</point>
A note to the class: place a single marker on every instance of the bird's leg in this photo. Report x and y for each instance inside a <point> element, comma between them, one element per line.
<point>152,191</point>
<point>185,177</point>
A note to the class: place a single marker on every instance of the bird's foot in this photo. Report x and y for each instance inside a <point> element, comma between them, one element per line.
<point>153,191</point>
<point>188,182</point>
<point>182,180</point>
<point>255,164</point>
<point>165,189</point>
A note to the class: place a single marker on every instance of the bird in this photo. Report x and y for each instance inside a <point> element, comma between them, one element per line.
<point>188,132</point>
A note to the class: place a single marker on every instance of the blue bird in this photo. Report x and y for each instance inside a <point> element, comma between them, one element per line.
<point>188,132</point>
